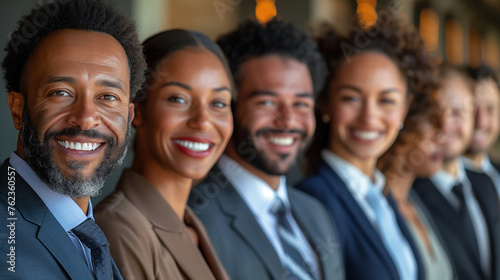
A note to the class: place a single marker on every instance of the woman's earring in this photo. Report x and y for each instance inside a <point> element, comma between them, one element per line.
<point>18,123</point>
<point>401,125</point>
<point>325,118</point>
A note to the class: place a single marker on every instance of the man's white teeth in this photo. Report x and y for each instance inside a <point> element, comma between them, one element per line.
<point>79,146</point>
<point>193,146</point>
<point>281,141</point>
<point>366,135</point>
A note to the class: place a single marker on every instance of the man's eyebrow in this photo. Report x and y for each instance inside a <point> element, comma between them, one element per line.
<point>71,80</point>
<point>360,91</point>
<point>270,93</point>
<point>305,94</point>
<point>60,79</point>
<point>262,93</point>
<point>184,86</point>
<point>111,83</point>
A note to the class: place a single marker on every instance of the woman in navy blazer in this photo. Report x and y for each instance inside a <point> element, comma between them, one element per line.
<point>374,74</point>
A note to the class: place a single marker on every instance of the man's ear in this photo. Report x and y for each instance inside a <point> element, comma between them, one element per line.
<point>131,111</point>
<point>16,101</point>
<point>137,114</point>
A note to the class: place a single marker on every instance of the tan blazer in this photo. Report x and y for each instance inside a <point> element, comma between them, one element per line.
<point>148,240</point>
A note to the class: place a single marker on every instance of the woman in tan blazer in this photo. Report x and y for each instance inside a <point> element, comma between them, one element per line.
<point>183,121</point>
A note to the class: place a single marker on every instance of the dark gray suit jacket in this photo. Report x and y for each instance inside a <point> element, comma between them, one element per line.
<point>241,244</point>
<point>43,249</point>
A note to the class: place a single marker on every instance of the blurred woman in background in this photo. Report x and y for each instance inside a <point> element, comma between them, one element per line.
<point>183,122</point>
<point>374,74</point>
<point>417,152</point>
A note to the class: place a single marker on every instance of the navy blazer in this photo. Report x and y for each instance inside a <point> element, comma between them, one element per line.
<point>241,244</point>
<point>43,249</point>
<point>447,221</point>
<point>365,256</point>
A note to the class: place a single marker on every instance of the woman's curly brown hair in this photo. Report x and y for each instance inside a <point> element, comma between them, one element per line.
<point>400,42</point>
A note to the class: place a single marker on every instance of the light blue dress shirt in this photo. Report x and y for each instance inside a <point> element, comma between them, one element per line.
<point>259,197</point>
<point>356,181</point>
<point>64,209</point>
<point>445,183</point>
<point>359,185</point>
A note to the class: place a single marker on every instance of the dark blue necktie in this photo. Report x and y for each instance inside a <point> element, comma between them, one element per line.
<point>92,236</point>
<point>465,219</point>
<point>295,266</point>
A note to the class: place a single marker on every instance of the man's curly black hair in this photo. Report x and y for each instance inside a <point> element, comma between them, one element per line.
<point>90,15</point>
<point>388,36</point>
<point>253,39</point>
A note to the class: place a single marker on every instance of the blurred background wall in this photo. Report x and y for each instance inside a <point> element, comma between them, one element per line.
<point>461,32</point>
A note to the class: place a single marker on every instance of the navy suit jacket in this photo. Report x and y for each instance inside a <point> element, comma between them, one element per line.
<point>241,244</point>
<point>365,256</point>
<point>447,221</point>
<point>42,248</point>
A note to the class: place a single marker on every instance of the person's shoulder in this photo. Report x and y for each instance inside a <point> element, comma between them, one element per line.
<point>306,201</point>
<point>117,212</point>
<point>205,193</point>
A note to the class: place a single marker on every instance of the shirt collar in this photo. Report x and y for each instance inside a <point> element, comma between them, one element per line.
<point>469,164</point>
<point>257,194</point>
<point>445,181</point>
<point>356,181</point>
<point>64,209</point>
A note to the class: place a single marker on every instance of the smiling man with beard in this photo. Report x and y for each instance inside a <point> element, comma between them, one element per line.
<point>70,84</point>
<point>260,228</point>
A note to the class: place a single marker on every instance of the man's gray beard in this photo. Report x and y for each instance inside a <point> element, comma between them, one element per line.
<point>37,154</point>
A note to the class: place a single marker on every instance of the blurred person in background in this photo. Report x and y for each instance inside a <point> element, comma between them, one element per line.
<point>361,110</point>
<point>486,123</point>
<point>464,204</point>
<point>417,152</point>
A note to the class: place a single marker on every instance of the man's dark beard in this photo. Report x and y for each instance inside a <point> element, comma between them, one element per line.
<point>246,148</point>
<point>38,155</point>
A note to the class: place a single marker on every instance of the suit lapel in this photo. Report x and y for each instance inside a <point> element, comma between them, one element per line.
<point>247,227</point>
<point>166,224</point>
<point>185,254</point>
<point>334,182</point>
<point>443,213</point>
<point>55,239</point>
<point>486,195</point>
<point>320,244</point>
<point>50,233</point>
<point>407,235</point>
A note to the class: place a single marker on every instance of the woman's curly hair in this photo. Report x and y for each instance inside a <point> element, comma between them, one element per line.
<point>90,15</point>
<point>253,39</point>
<point>401,43</point>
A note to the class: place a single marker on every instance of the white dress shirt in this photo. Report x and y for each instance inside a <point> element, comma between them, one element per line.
<point>64,209</point>
<point>259,197</point>
<point>445,183</point>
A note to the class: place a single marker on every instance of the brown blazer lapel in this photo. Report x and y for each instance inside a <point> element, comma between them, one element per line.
<point>171,231</point>
<point>186,255</point>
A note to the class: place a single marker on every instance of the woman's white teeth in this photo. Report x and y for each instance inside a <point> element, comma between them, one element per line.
<point>193,146</point>
<point>79,146</point>
<point>281,141</point>
<point>366,135</point>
